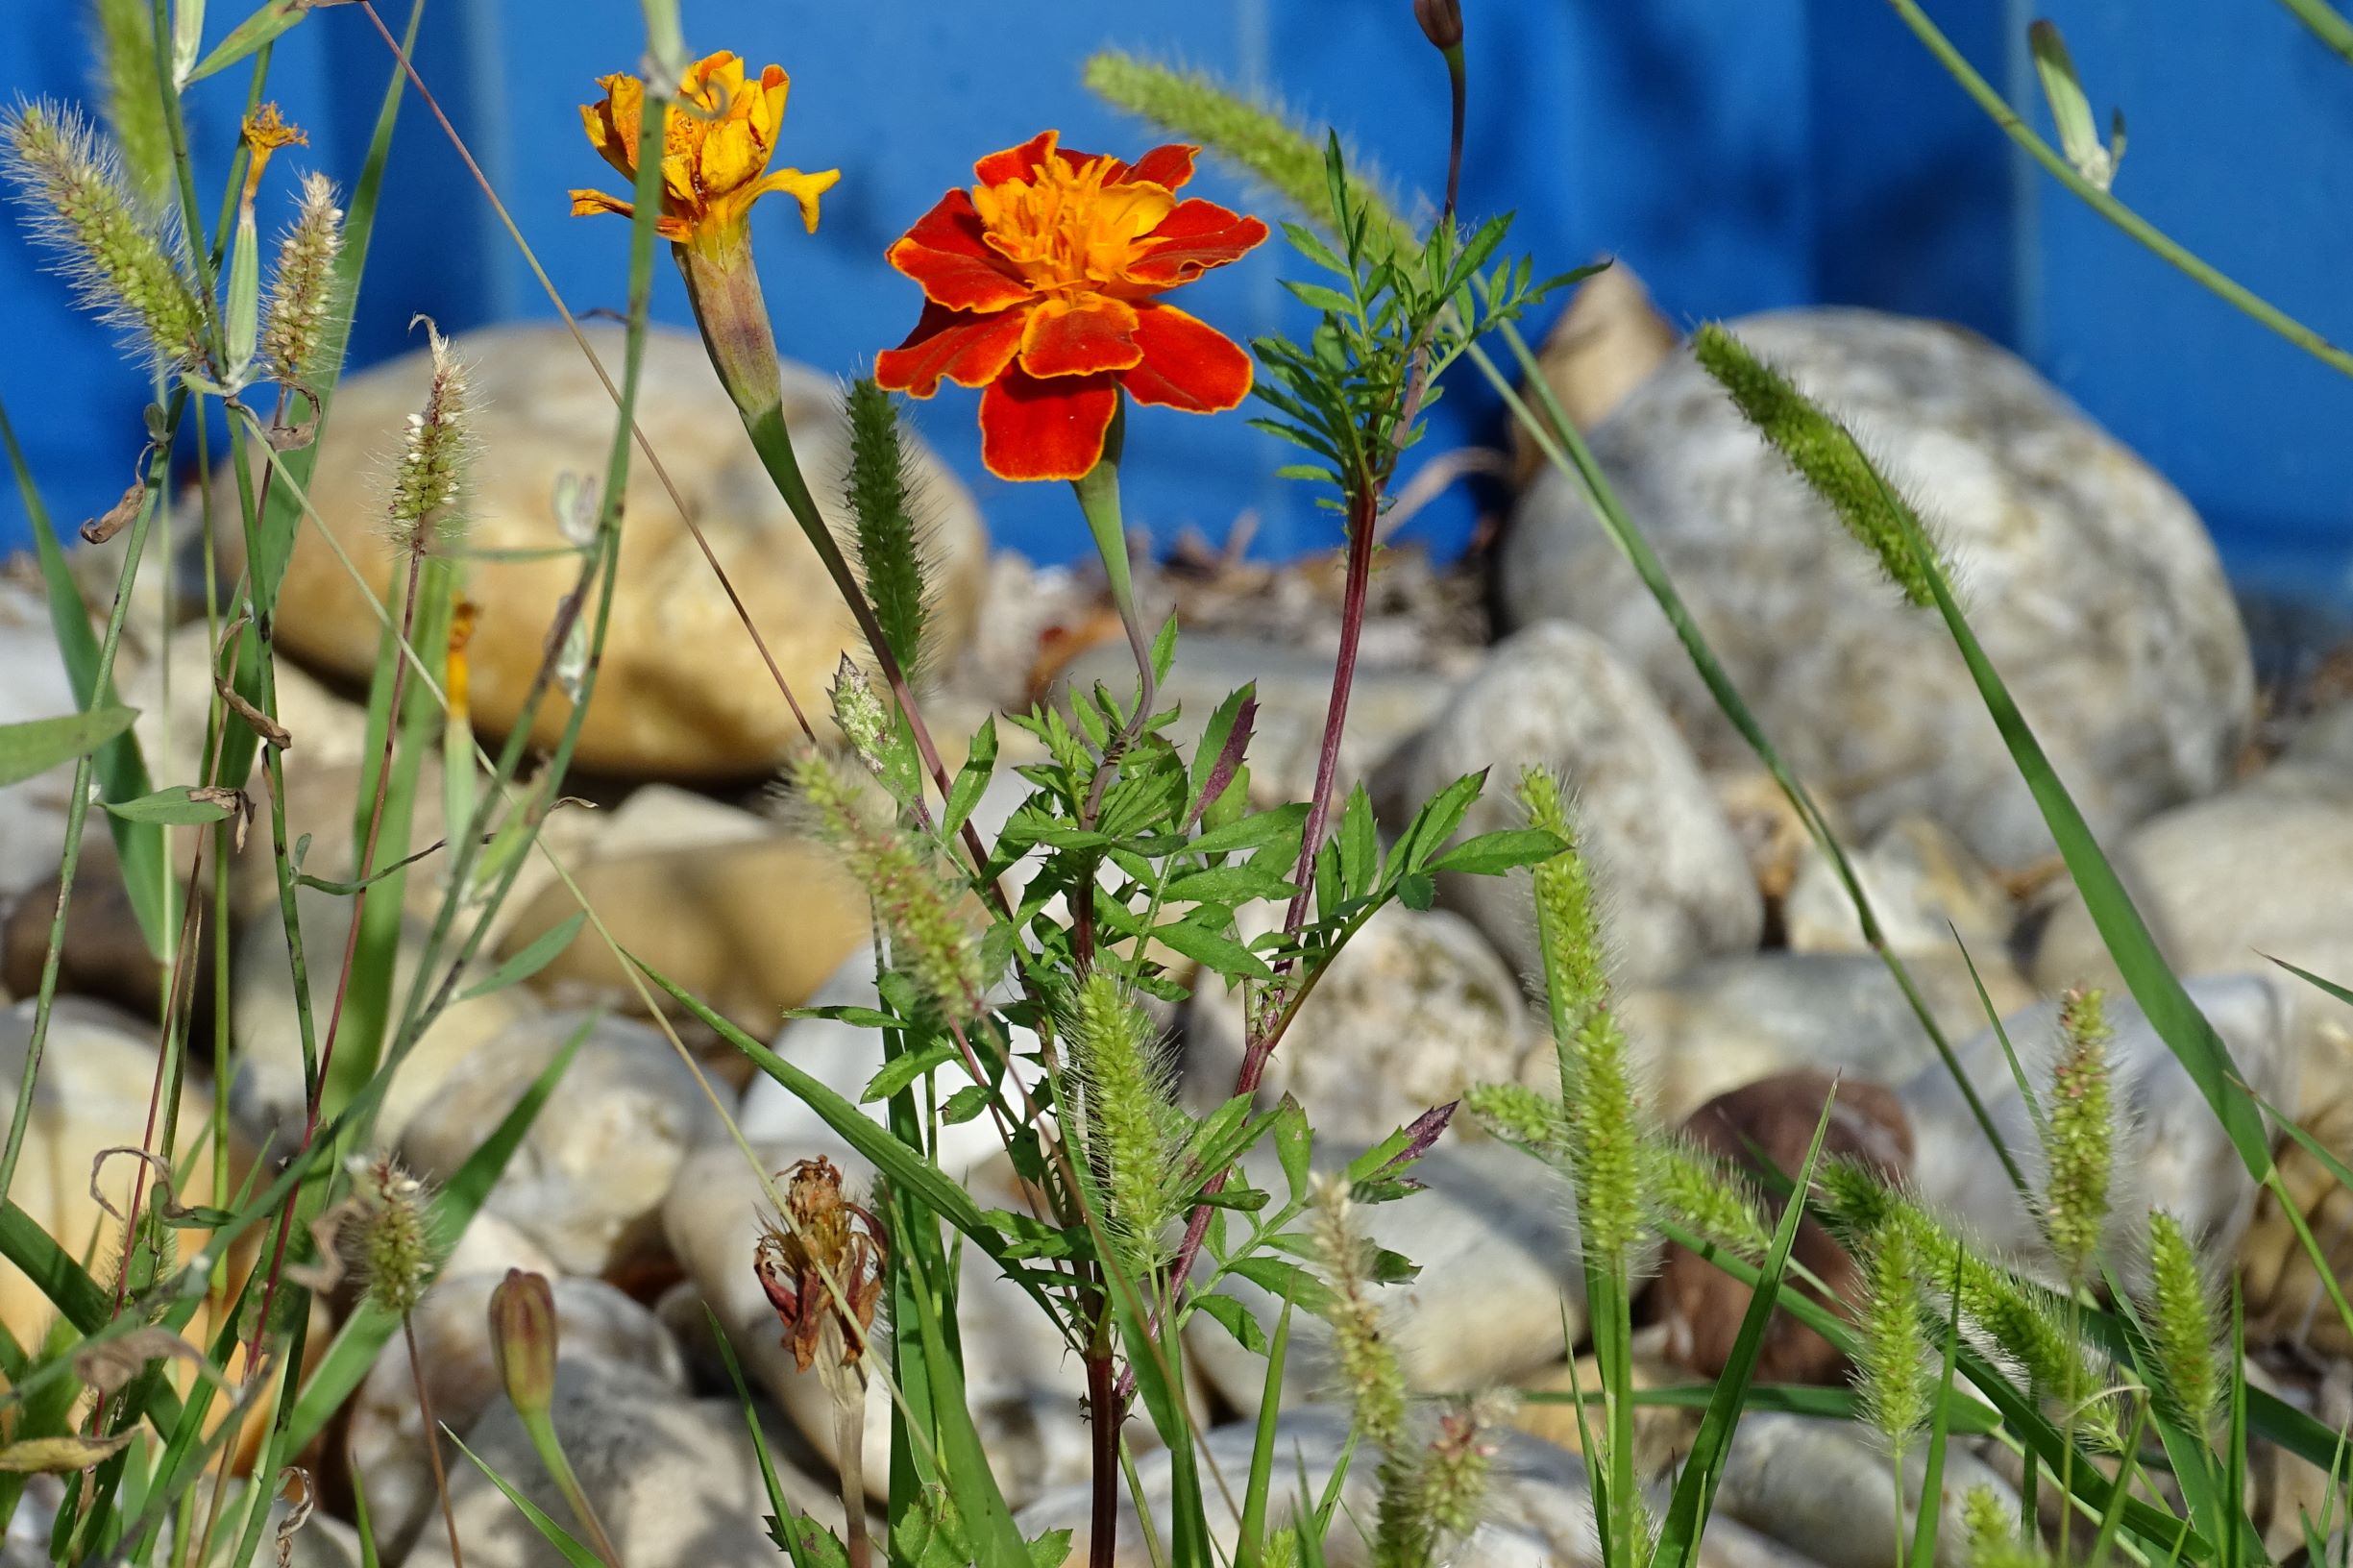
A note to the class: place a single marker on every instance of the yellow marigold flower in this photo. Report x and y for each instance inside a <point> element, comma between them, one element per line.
<point>717,141</point>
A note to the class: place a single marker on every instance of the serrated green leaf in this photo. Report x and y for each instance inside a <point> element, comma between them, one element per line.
<point>906,1069</point>
<point>1492,854</point>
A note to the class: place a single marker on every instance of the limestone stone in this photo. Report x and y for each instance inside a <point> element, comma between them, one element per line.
<point>1736,1020</point>
<point>593,1322</point>
<point>674,1479</point>
<point>2090,582</point>
<point>1674,878</point>
<point>683,692</point>
<point>1414,1010</point>
<point>588,1180</point>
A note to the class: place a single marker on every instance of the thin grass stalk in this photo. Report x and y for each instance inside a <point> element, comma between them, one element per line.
<point>432,1438</point>
<point>1565,448</point>
<point>2163,245</point>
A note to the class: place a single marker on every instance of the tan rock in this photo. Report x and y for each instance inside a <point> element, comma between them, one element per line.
<point>683,692</point>
<point>752,927</point>
<point>1605,344</point>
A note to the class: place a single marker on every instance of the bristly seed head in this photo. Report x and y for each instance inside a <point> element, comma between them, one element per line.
<point>1892,1374</point>
<point>1374,1383</point>
<point>397,1256</point>
<point>2079,1134</point>
<point>431,476</point>
<point>121,264</point>
<point>2182,1329</point>
<point>302,287</point>
<point>1133,1132</point>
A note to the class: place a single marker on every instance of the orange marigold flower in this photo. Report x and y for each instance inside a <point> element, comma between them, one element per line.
<point>1042,286</point>
<point>717,140</point>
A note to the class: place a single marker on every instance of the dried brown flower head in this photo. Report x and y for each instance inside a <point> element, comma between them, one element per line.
<point>822,1268</point>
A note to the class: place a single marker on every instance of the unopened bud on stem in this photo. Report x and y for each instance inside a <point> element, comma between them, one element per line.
<point>523,1340</point>
<point>1441,21</point>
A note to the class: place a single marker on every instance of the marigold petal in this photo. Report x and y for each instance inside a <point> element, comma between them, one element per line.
<point>1034,429</point>
<point>1188,363</point>
<point>1016,163</point>
<point>1170,166</point>
<point>968,350</point>
<point>729,158</point>
<point>1080,337</point>
<point>804,189</point>
<point>1194,237</point>
<point>612,125</point>
<point>946,254</point>
<point>589,202</point>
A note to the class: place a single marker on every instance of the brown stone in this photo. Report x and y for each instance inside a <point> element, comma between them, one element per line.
<point>1770,1124</point>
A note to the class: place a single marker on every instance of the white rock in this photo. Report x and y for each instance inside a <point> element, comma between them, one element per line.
<point>1673,877</point>
<point>593,1322</point>
<point>266,1096</point>
<point>2091,582</point>
<point>2172,1153</point>
<point>1416,1010</point>
<point>589,1179</point>
<point>1924,887</point>
<point>1495,1236</point>
<point>33,811</point>
<point>1021,1383</point>
<point>2262,871</point>
<point>674,1480</point>
<point>1824,1487</point>
<point>1739,1019</point>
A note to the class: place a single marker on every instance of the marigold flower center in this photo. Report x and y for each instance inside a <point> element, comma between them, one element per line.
<point>1067,228</point>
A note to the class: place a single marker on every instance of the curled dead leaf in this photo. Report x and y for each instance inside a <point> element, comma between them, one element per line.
<point>115,517</point>
<point>109,1364</point>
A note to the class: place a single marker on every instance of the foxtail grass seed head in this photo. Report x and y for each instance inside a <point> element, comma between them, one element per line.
<point>1133,1132</point>
<point>2182,1329</point>
<point>302,293</point>
<point>1893,1371</point>
<point>1597,1077</point>
<point>523,1340</point>
<point>885,495</point>
<point>920,907</point>
<point>398,1257</point>
<point>820,1266</point>
<point>120,263</point>
<point>1517,1115</point>
<point>1708,1197</point>
<point>2079,1134</point>
<point>1988,1526</point>
<point>1369,1374</point>
<point>1455,1473</point>
<point>1824,455</point>
<point>430,479</point>
<point>1281,154</point>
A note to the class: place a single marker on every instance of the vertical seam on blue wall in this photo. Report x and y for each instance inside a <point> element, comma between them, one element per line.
<point>492,141</point>
<point>2026,324</point>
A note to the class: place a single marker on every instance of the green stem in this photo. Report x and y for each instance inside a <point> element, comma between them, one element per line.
<point>542,1431</point>
<point>2326,25</point>
<point>1098,498</point>
<point>1998,108</point>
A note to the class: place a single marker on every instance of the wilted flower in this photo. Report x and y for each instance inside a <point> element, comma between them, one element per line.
<point>822,1268</point>
<point>265,131</point>
<point>1042,284</point>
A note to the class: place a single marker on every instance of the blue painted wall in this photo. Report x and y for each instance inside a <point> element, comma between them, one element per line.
<point>1740,154</point>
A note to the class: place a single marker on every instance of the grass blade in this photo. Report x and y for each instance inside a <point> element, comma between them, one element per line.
<point>557,1536</point>
<point>1695,1490</point>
